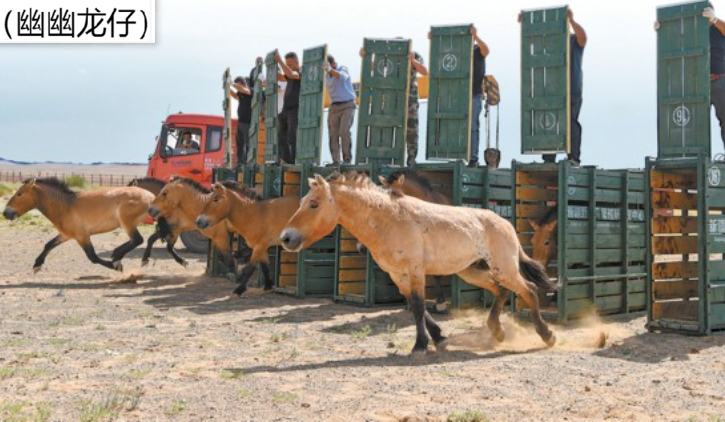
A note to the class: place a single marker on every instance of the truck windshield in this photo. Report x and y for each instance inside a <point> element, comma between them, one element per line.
<point>180,141</point>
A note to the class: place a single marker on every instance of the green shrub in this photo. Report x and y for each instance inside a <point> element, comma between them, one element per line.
<point>76,181</point>
<point>5,191</point>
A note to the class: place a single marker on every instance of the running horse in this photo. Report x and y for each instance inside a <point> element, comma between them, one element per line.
<point>258,221</point>
<point>80,215</point>
<point>410,238</point>
<point>412,183</point>
<point>544,240</point>
<point>179,203</point>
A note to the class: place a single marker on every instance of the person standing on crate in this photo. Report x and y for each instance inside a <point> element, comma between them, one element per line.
<point>577,42</point>
<point>342,110</point>
<point>243,94</point>
<point>480,52</point>
<point>288,119</point>
<point>717,65</point>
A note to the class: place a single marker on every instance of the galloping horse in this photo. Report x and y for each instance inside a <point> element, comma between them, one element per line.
<point>410,238</point>
<point>163,229</point>
<point>412,183</point>
<point>179,203</point>
<point>79,215</point>
<point>258,221</point>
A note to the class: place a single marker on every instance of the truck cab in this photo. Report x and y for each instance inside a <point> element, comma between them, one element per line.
<point>190,145</point>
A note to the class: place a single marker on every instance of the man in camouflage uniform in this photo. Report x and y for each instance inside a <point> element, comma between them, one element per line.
<point>411,136</point>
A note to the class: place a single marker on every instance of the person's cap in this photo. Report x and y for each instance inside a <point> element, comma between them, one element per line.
<point>330,59</point>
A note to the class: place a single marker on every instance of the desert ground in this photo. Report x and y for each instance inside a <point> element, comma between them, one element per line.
<point>164,342</point>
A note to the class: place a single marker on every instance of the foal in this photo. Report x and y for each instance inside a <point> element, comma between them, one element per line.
<point>80,215</point>
<point>410,238</point>
<point>258,221</point>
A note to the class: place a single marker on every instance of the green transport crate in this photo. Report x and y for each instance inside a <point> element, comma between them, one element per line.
<point>599,262</point>
<point>311,111</point>
<point>683,81</point>
<point>685,245</point>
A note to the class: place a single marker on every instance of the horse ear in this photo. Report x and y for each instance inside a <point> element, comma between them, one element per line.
<point>551,225</point>
<point>399,181</point>
<point>534,224</point>
<point>32,181</point>
<point>218,187</point>
<point>383,181</point>
<point>321,180</point>
<point>311,182</point>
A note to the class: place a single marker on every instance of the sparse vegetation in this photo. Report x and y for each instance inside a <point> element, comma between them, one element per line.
<point>467,416</point>
<point>283,397</point>
<point>362,333</point>
<point>177,408</point>
<point>111,405</point>
<point>244,393</point>
<point>234,373</point>
<point>279,337</point>
<point>5,190</point>
<point>137,374</point>
<point>24,411</point>
<point>11,372</point>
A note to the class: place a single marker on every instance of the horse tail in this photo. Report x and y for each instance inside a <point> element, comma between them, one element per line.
<point>535,272</point>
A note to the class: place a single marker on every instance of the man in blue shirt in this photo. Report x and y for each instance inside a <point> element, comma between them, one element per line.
<point>342,110</point>
<point>717,66</point>
<point>480,52</point>
<point>577,42</point>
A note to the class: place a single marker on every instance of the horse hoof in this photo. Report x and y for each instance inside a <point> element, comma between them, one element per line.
<point>118,266</point>
<point>417,355</point>
<point>499,335</point>
<point>144,262</point>
<point>551,341</point>
<point>442,308</point>
<point>441,346</point>
<point>36,269</point>
<point>184,263</point>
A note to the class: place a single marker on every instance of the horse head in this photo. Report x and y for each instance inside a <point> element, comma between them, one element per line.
<point>315,218</point>
<point>217,209</point>
<point>22,201</point>
<point>544,241</point>
<point>169,199</point>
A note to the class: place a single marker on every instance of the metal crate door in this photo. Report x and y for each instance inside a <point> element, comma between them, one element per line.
<point>449,101</point>
<point>271,144</point>
<point>545,95</point>
<point>257,120</point>
<point>383,110</point>
<point>312,95</point>
<point>683,81</point>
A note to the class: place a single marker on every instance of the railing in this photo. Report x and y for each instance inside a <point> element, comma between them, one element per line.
<point>91,179</point>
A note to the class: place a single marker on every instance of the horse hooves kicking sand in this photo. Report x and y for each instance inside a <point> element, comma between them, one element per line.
<point>405,235</point>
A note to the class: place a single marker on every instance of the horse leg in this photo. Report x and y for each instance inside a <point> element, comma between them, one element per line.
<point>149,246</point>
<point>121,251</point>
<point>528,293</point>
<point>170,243</point>
<point>244,279</point>
<point>414,285</point>
<point>435,331</point>
<point>91,254</point>
<point>441,306</point>
<point>482,278</point>
<point>268,282</point>
<point>52,244</point>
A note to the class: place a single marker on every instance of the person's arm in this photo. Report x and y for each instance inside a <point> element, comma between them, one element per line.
<point>341,73</point>
<point>482,47</point>
<point>234,94</point>
<point>243,89</point>
<point>418,65</point>
<point>709,14</point>
<point>581,35</point>
<point>288,73</point>
<point>281,77</point>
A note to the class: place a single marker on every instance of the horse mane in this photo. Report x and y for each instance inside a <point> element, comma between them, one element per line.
<point>549,216</point>
<point>150,180</point>
<point>351,178</point>
<point>57,185</point>
<point>411,174</point>
<point>193,184</point>
<point>243,190</point>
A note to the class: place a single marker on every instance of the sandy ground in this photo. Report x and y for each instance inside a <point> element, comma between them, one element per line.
<point>80,342</point>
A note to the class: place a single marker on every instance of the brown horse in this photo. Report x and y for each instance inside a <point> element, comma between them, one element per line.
<point>163,229</point>
<point>80,215</point>
<point>258,221</point>
<point>412,183</point>
<point>544,238</point>
<point>410,238</point>
<point>179,203</point>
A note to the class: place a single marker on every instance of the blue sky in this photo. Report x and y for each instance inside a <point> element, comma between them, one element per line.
<point>89,103</point>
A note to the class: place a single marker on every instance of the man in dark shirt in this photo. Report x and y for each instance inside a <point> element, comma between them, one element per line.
<point>577,42</point>
<point>480,52</point>
<point>411,136</point>
<point>717,66</point>
<point>243,94</point>
<point>288,118</point>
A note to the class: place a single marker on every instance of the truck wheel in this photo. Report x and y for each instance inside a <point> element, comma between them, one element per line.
<point>195,242</point>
